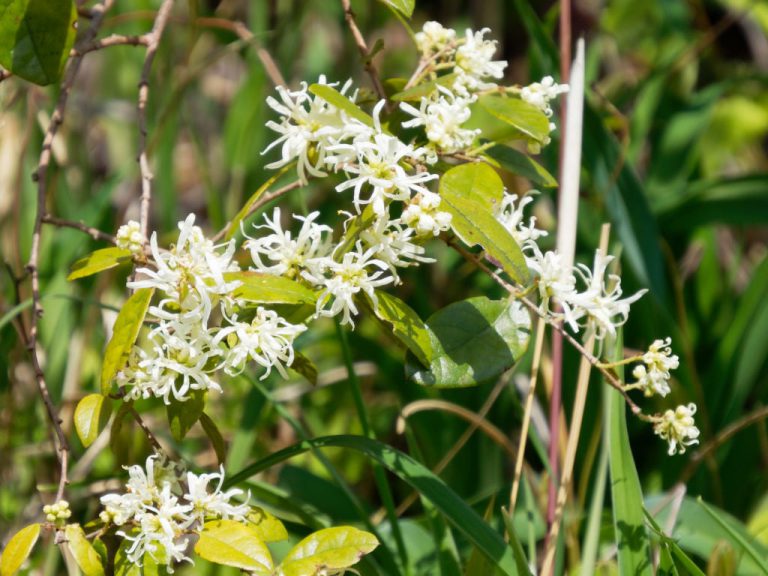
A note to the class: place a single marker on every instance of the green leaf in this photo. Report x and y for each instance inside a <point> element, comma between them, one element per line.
<point>521,164</point>
<point>234,544</point>
<point>353,230</point>
<point>524,117</point>
<point>517,547</point>
<point>18,549</point>
<point>126,567</point>
<point>631,536</point>
<point>406,325</point>
<point>85,555</point>
<point>330,549</point>
<point>474,181</point>
<point>269,289</point>
<point>214,435</point>
<point>234,225</point>
<point>424,89</point>
<point>405,7</point>
<point>419,477</point>
<point>305,367</point>
<point>268,526</point>
<point>124,334</point>
<point>472,341</point>
<point>183,415</point>
<point>474,223</point>
<point>36,37</point>
<point>91,415</point>
<point>98,261</point>
<point>335,98</point>
<point>738,539</point>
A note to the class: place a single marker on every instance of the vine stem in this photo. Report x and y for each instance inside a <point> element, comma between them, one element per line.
<point>152,43</point>
<point>349,16</point>
<point>40,176</point>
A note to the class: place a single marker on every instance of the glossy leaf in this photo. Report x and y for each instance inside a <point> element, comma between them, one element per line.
<point>214,435</point>
<point>268,289</point>
<point>234,544</point>
<point>183,415</point>
<point>472,341</point>
<point>524,117</point>
<point>631,536</point>
<point>18,549</point>
<point>268,526</point>
<point>124,334</point>
<point>405,7</point>
<point>475,181</point>
<point>406,325</point>
<point>420,478</point>
<point>337,99</point>
<point>424,89</point>
<point>234,225</point>
<point>36,37</point>
<point>475,223</point>
<point>98,261</point>
<point>330,549</point>
<point>521,164</point>
<point>91,415</point>
<point>85,555</point>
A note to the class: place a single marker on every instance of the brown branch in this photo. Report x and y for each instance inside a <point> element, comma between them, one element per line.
<point>94,233</point>
<point>349,16</point>
<point>153,41</point>
<point>113,40</point>
<point>40,176</point>
<point>147,432</point>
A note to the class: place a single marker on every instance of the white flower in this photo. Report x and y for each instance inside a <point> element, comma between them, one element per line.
<point>289,255</point>
<point>541,93</point>
<point>129,237</point>
<point>392,243</point>
<point>510,215</point>
<point>378,163</point>
<point>347,279</point>
<point>434,38</point>
<point>474,62</point>
<point>423,216</point>
<point>556,280</point>
<point>601,302</point>
<point>678,428</point>
<point>267,340</point>
<point>653,375</point>
<point>191,274</point>
<point>206,504</point>
<point>309,124</point>
<point>442,117</point>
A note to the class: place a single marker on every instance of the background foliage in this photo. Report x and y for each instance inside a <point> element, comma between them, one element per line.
<point>674,157</point>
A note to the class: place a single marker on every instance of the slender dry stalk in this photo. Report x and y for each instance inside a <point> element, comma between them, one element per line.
<point>349,16</point>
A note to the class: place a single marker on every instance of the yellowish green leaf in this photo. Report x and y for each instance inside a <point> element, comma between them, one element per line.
<point>234,225</point>
<point>268,526</point>
<point>85,555</point>
<point>405,7</point>
<point>98,261</point>
<point>124,334</point>
<point>91,415</point>
<point>268,289</point>
<point>476,181</point>
<point>524,117</point>
<point>18,549</point>
<point>337,99</point>
<point>234,544</point>
<point>329,549</point>
<point>406,325</point>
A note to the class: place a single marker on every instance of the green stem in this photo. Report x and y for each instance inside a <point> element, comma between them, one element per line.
<point>378,472</point>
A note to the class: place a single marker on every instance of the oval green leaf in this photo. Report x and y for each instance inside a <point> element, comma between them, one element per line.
<point>18,549</point>
<point>405,7</point>
<point>406,325</point>
<point>519,114</point>
<point>91,415</point>
<point>475,224</point>
<point>85,555</point>
<point>214,435</point>
<point>124,334</point>
<point>36,37</point>
<point>98,261</point>
<point>516,162</point>
<point>330,549</point>
<point>268,526</point>
<point>234,544</point>
<point>268,289</point>
<point>183,415</point>
<point>472,341</point>
<point>424,89</point>
<point>337,99</point>
<point>475,181</point>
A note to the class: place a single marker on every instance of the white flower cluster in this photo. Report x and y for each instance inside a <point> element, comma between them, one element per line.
<point>161,508</point>
<point>540,94</point>
<point>58,512</point>
<point>129,237</point>
<point>677,427</point>
<point>653,374</point>
<point>198,328</point>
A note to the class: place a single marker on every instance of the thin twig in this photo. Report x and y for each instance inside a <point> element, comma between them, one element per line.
<point>113,40</point>
<point>147,432</point>
<point>349,16</point>
<point>153,42</point>
<point>40,176</point>
<point>94,233</point>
